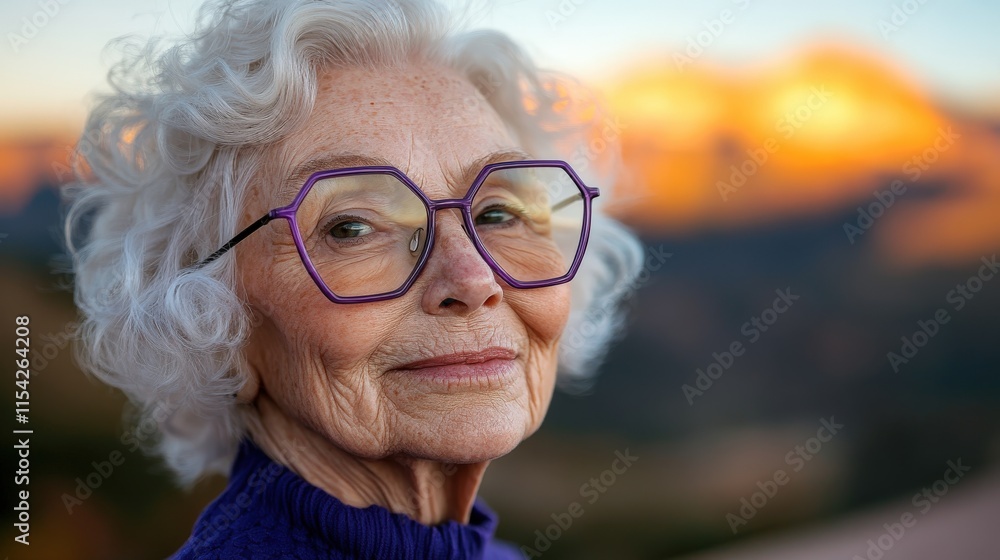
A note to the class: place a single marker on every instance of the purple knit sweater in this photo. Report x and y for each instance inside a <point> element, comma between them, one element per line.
<point>267,511</point>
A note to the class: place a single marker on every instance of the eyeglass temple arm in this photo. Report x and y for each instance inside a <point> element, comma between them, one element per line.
<point>567,200</point>
<point>239,237</point>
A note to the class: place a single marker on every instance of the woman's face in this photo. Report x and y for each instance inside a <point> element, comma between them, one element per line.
<point>337,368</point>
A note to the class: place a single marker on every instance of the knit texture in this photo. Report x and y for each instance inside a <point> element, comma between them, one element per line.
<point>268,511</point>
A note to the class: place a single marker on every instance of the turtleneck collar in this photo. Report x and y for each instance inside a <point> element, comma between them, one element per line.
<point>371,532</point>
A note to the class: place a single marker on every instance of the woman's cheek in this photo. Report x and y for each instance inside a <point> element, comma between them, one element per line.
<point>544,312</point>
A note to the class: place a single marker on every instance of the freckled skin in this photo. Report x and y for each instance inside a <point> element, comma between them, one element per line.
<point>324,401</point>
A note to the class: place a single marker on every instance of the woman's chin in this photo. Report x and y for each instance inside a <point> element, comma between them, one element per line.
<point>472,435</point>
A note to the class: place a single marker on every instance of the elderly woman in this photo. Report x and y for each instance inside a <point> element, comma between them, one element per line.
<point>327,247</point>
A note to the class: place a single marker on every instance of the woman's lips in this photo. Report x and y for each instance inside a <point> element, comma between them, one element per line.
<point>489,365</point>
<point>492,353</point>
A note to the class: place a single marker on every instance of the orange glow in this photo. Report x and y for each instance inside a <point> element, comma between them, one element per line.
<point>710,148</point>
<point>27,163</point>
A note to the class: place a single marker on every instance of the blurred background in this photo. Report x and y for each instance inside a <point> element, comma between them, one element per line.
<point>809,367</point>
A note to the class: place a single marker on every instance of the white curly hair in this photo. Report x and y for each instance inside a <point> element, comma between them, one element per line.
<point>165,160</point>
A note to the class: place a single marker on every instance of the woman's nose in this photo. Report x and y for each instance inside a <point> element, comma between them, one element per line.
<point>458,280</point>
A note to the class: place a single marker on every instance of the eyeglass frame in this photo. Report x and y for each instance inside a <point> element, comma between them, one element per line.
<point>431,206</point>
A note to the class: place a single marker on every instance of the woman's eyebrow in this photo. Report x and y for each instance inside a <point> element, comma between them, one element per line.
<point>298,175</point>
<point>472,169</point>
<point>293,183</point>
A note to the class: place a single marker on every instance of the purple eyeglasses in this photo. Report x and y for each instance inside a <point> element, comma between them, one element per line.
<point>365,233</point>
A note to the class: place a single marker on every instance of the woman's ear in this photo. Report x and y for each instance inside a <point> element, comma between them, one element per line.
<point>248,364</point>
<point>250,375</point>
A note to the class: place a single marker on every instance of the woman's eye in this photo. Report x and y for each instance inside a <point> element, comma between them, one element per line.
<point>349,229</point>
<point>494,216</point>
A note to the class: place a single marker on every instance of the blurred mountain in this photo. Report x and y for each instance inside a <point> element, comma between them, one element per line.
<point>30,160</point>
<point>821,131</point>
<point>827,129</point>
<point>34,234</point>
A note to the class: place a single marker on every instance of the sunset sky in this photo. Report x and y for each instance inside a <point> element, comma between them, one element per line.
<point>951,48</point>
